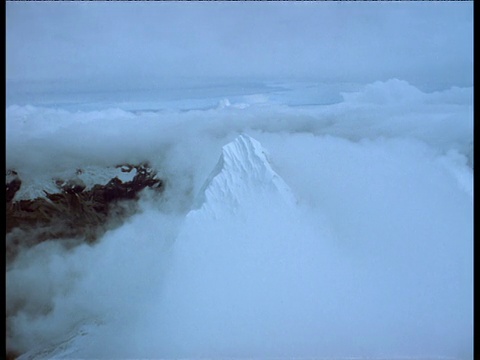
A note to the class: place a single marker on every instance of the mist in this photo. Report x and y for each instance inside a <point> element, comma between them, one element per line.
<point>374,259</point>
<point>364,110</point>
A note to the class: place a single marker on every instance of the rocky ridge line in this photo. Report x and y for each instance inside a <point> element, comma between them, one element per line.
<point>75,211</point>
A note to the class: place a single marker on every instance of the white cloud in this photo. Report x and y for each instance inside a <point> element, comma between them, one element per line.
<point>375,260</point>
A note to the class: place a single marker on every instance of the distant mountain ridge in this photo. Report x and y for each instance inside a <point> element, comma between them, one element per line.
<point>78,205</point>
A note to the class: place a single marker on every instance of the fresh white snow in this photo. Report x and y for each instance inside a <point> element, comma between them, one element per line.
<point>242,173</point>
<point>34,185</point>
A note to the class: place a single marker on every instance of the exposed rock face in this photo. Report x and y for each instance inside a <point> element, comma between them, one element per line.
<point>75,211</point>
<point>13,184</point>
<point>242,176</point>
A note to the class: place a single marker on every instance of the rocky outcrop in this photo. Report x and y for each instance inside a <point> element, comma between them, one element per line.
<point>75,211</point>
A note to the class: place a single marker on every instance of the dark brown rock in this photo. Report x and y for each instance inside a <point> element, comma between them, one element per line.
<point>75,212</point>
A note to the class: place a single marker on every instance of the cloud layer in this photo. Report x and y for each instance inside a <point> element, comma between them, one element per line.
<point>111,46</point>
<point>374,260</point>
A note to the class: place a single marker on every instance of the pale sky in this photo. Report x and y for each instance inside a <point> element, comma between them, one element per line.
<point>138,44</point>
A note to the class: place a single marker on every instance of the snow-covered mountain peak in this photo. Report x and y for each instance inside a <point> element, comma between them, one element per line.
<point>242,173</point>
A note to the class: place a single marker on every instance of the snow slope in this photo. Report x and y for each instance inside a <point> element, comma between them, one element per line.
<point>34,186</point>
<point>68,347</point>
<point>242,172</point>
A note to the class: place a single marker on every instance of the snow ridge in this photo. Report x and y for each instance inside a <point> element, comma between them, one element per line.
<point>35,186</point>
<point>242,173</point>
